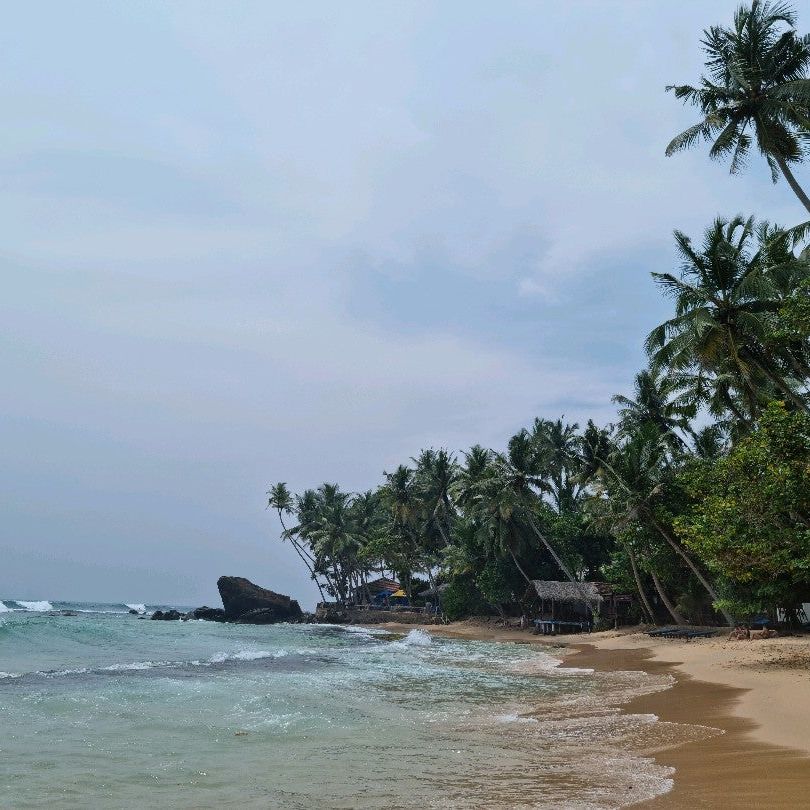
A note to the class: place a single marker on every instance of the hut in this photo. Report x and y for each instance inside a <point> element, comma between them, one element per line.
<point>577,604</point>
<point>376,592</point>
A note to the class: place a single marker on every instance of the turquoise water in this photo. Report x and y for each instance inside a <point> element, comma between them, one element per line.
<point>105,709</point>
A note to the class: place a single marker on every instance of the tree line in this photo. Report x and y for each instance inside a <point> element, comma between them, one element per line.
<point>697,497</point>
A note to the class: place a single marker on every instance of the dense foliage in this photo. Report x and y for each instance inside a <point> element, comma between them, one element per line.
<point>697,497</point>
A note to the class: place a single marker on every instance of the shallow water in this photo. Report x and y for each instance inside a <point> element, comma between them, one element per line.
<point>105,709</point>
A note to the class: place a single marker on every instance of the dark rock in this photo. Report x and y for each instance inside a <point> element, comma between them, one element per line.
<point>167,615</point>
<point>245,602</point>
<point>206,613</point>
<point>67,613</point>
<point>133,612</point>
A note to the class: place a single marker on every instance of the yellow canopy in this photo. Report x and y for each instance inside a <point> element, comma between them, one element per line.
<point>400,592</point>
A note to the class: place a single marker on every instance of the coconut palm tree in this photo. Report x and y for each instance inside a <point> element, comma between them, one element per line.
<point>280,498</point>
<point>634,476</point>
<point>556,443</point>
<point>756,90</point>
<point>435,478</point>
<point>653,403</point>
<point>726,299</point>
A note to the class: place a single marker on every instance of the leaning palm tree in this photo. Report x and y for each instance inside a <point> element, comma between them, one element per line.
<point>634,476</point>
<point>726,299</point>
<point>280,498</point>
<point>756,90</point>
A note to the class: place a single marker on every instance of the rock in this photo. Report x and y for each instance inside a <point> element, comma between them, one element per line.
<point>206,613</point>
<point>133,612</point>
<point>331,614</point>
<point>167,615</point>
<point>248,603</point>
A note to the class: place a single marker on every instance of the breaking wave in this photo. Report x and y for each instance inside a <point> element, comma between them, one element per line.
<point>35,607</point>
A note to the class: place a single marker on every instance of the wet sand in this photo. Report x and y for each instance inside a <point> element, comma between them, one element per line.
<point>756,693</point>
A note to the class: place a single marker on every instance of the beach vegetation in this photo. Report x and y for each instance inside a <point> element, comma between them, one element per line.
<point>695,498</point>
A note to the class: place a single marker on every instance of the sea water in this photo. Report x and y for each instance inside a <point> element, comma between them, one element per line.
<point>104,709</point>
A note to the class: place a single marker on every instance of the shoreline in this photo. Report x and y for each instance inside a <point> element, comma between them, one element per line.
<point>756,693</point>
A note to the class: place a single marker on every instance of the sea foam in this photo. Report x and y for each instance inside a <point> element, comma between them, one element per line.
<point>36,607</point>
<point>4,608</point>
<point>136,606</point>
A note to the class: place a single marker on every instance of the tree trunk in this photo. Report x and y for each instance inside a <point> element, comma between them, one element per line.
<point>676,617</point>
<point>303,558</point>
<point>518,565</point>
<point>781,384</point>
<point>788,175</point>
<point>563,566</point>
<point>639,586</point>
<point>676,547</point>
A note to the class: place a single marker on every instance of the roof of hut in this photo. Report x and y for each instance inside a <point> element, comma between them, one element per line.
<point>381,585</point>
<point>570,591</point>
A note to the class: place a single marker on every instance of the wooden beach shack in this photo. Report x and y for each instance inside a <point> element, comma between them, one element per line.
<point>576,606</point>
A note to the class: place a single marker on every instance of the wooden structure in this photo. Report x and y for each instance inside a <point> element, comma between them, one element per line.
<point>579,605</point>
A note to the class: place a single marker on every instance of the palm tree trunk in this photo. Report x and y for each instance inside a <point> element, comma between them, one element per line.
<point>676,617</point>
<point>303,558</point>
<point>518,565</point>
<point>678,549</point>
<point>788,175</point>
<point>784,386</point>
<point>639,587</point>
<point>563,566</point>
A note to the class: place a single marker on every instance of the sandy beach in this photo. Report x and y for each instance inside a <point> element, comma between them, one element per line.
<point>757,693</point>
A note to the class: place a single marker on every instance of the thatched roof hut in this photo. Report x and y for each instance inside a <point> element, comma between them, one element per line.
<point>552,590</point>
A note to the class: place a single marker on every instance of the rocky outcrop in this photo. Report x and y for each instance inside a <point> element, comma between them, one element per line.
<point>206,613</point>
<point>335,614</point>
<point>167,615</point>
<point>247,603</point>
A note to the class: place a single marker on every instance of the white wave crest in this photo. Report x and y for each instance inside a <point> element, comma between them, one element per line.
<point>137,666</point>
<point>4,608</point>
<point>136,606</point>
<point>245,655</point>
<point>37,607</point>
<point>416,638</point>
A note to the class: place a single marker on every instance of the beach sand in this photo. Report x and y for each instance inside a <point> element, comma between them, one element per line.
<point>756,692</point>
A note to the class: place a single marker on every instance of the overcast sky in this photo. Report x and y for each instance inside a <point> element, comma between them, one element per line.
<point>248,242</point>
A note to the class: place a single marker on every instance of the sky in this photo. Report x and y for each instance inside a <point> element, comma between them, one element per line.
<point>253,242</point>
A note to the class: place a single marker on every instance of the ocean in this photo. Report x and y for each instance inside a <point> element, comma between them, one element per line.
<point>104,709</point>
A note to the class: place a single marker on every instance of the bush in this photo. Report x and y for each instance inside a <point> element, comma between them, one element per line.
<point>461,598</point>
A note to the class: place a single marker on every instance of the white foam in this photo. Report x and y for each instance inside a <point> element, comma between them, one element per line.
<point>4,608</point>
<point>363,631</point>
<point>137,666</point>
<point>245,655</point>
<point>416,638</point>
<point>37,607</point>
<point>136,606</point>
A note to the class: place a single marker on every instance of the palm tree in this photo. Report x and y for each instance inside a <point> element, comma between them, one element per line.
<point>400,494</point>
<point>436,474</point>
<point>280,498</point>
<point>653,404</point>
<point>634,476</point>
<point>726,300</point>
<point>756,88</point>
<point>556,443</point>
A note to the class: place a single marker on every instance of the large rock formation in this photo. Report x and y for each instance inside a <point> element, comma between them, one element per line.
<point>248,603</point>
